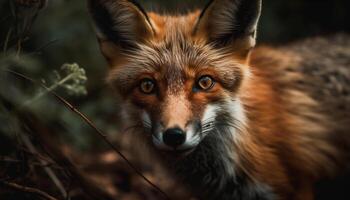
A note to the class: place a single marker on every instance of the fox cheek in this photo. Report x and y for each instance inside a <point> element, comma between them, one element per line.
<point>146,119</point>
<point>209,115</point>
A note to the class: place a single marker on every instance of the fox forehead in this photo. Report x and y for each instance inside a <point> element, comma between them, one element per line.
<point>174,55</point>
<point>176,61</point>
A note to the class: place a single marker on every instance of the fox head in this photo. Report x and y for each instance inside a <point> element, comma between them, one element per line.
<point>179,77</point>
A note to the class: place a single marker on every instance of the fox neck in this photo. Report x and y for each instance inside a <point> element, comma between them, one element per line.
<point>211,166</point>
<point>212,170</point>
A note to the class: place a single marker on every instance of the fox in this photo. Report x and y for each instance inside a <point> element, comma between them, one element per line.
<point>226,118</point>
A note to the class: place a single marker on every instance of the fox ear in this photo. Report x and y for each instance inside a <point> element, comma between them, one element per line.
<point>230,22</point>
<point>119,24</point>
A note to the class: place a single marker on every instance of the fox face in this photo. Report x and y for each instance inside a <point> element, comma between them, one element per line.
<point>179,76</point>
<point>179,91</point>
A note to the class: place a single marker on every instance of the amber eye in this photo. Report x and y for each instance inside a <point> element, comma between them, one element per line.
<point>205,83</point>
<point>147,86</point>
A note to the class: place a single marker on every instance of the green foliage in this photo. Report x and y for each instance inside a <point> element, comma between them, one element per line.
<point>74,79</point>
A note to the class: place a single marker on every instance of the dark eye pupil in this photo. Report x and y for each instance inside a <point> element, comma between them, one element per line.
<point>147,86</point>
<point>205,82</point>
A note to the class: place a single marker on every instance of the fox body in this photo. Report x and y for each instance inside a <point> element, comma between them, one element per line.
<point>227,120</point>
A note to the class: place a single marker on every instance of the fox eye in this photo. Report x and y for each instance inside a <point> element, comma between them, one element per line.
<point>147,86</point>
<point>205,82</point>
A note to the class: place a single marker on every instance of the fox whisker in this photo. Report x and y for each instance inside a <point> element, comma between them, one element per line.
<point>134,126</point>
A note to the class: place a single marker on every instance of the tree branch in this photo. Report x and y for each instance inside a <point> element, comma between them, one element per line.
<point>92,125</point>
<point>26,189</point>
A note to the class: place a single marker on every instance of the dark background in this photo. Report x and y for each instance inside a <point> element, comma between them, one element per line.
<point>62,33</point>
<point>65,25</point>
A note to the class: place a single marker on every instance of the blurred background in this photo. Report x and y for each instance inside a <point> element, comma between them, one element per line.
<point>52,41</point>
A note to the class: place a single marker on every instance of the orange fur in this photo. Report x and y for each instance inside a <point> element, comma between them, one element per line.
<point>286,141</point>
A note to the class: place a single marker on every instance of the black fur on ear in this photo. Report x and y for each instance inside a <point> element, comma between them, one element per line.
<point>122,22</point>
<point>224,21</point>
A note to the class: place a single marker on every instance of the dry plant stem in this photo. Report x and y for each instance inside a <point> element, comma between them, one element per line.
<point>30,190</point>
<point>38,50</point>
<point>19,47</point>
<point>48,90</point>
<point>35,164</point>
<point>45,164</point>
<point>91,124</point>
<point>104,137</point>
<point>91,189</point>
<point>7,40</point>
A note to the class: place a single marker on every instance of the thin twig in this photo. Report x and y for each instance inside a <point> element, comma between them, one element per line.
<point>92,125</point>
<point>43,161</point>
<point>35,164</point>
<point>48,90</point>
<point>38,50</point>
<point>26,189</point>
<point>19,47</point>
<point>8,35</point>
<point>91,189</point>
<point>47,169</point>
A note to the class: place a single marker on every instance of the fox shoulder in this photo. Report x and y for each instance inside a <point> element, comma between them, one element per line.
<point>313,78</point>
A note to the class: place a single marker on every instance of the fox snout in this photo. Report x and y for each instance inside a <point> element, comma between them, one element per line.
<point>176,138</point>
<point>170,139</point>
<point>178,128</point>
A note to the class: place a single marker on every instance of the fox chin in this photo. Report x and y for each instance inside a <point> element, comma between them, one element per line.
<point>227,120</point>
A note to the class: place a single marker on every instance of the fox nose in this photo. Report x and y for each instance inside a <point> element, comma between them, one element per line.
<point>174,137</point>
